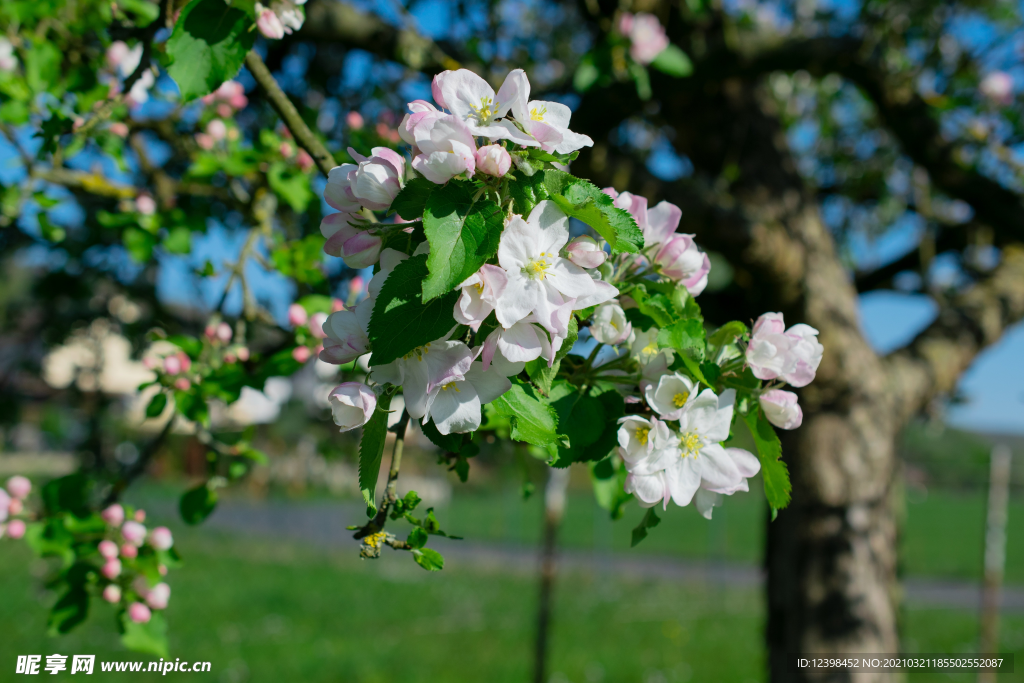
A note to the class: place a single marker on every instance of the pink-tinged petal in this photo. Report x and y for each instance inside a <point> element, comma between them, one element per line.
<point>662,221</point>
<point>338,192</point>
<point>717,469</point>
<point>435,90</point>
<point>547,135</point>
<point>521,343</point>
<point>490,346</point>
<point>514,94</point>
<point>649,489</point>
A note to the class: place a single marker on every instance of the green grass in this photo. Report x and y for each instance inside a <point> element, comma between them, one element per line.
<point>268,611</point>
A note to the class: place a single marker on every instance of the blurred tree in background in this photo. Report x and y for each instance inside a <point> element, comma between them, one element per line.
<point>790,133</point>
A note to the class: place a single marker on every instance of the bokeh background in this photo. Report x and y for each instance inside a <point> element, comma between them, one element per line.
<point>272,588</point>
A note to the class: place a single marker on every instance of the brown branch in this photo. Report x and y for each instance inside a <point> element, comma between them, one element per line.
<point>972,321</point>
<point>286,110</point>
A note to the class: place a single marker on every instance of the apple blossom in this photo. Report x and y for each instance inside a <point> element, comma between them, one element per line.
<point>346,337</point>
<point>539,280</point>
<point>217,130</point>
<point>301,354</point>
<point>182,384</point>
<point>474,102</point>
<point>493,160</point>
<point>781,408</point>
<point>8,60</point>
<point>656,224</point>
<point>671,396</point>
<point>113,515</point>
<point>316,325</point>
<point>352,405</point>
<point>646,36</point>
<point>354,120</point>
<point>609,325</point>
<point>446,148</point>
<point>107,549</point>
<point>585,252</point>
<point>681,260</point>
<point>423,369</point>
<point>338,192</point>
<point>129,552</point>
<point>546,122</point>
<point>16,507</point>
<point>139,516</point>
<point>268,23</point>
<point>223,332</point>
<point>997,87</point>
<point>160,538</point>
<point>378,178</point>
<point>139,613</point>
<point>16,528</point>
<point>281,18</point>
<point>522,342</point>
<point>639,437</point>
<point>134,533</point>
<point>111,569</point>
<point>297,315</point>
<point>158,596</point>
<point>348,237</point>
<point>419,110</point>
<point>112,594</point>
<point>19,487</point>
<point>480,294</point>
<point>774,352</point>
<point>145,205</point>
<point>455,407</point>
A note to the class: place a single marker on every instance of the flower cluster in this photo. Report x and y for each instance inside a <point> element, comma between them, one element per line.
<point>646,35</point>
<point>122,62</point>
<point>132,561</point>
<point>12,507</point>
<point>668,391</point>
<point>281,18</point>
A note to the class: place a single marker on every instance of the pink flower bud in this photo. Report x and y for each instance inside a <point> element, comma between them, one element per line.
<point>781,408</point>
<point>158,596</point>
<point>269,24</point>
<point>162,569</point>
<point>680,259</point>
<point>998,87</point>
<point>297,315</point>
<point>338,304</point>
<point>210,332</point>
<point>139,613</point>
<point>129,552</point>
<point>585,252</point>
<point>182,384</point>
<point>112,594</point>
<point>111,568</point>
<point>493,160</point>
<point>316,325</point>
<point>145,205</point>
<point>119,129</point>
<point>230,358</point>
<point>108,549</point>
<point>160,538</point>
<point>113,515</point>
<point>286,149</point>
<point>352,405</point>
<point>242,353</point>
<point>205,141</point>
<point>172,365</point>
<point>224,110</point>
<point>151,363</point>
<point>134,533</point>
<point>16,507</point>
<point>217,129</point>
<point>184,360</point>
<point>224,332</point>
<point>356,286</point>
<point>354,120</point>
<point>358,247</point>
<point>16,529</point>
<point>304,161</point>
<point>19,487</point>
<point>301,353</point>
<point>140,516</point>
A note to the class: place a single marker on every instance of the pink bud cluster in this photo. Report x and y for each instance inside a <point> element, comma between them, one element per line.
<point>12,507</point>
<point>299,318</point>
<point>127,537</point>
<point>229,97</point>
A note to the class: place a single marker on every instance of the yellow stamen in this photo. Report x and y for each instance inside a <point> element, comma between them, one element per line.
<point>641,435</point>
<point>450,385</point>
<point>680,399</point>
<point>537,269</point>
<point>650,349</point>
<point>419,352</point>
<point>536,115</point>
<point>486,110</point>
<point>691,444</point>
<point>374,540</point>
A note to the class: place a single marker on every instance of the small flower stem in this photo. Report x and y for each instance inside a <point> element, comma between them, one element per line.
<point>289,115</point>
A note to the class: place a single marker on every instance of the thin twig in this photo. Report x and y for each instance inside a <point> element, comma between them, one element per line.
<point>132,472</point>
<point>289,115</point>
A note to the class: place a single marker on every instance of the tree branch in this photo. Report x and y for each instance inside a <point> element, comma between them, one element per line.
<point>289,115</point>
<point>972,321</point>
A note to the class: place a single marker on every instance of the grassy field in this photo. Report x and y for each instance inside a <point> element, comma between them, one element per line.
<point>269,611</point>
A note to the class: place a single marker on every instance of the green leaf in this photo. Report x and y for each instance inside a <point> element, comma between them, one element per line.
<point>583,200</point>
<point>51,539</point>
<point>417,538</point>
<point>673,61</point>
<point>727,333</point>
<point>290,184</point>
<point>70,611</point>
<point>531,419</point>
<point>197,504</point>
<point>686,336</point>
<point>411,201</point>
<point>150,638</point>
<point>586,74</point>
<point>614,406</point>
<point>178,240</point>
<point>68,494</point>
<point>649,521</point>
<point>777,487</point>
<point>42,65</point>
<point>400,320</point>
<point>139,244</point>
<point>527,192</point>
<point>431,560</point>
<point>463,234</point>
<point>542,375</point>
<point>156,405</point>
<point>208,46</point>
<point>580,417</point>
<point>371,450</point>
<point>446,442</point>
